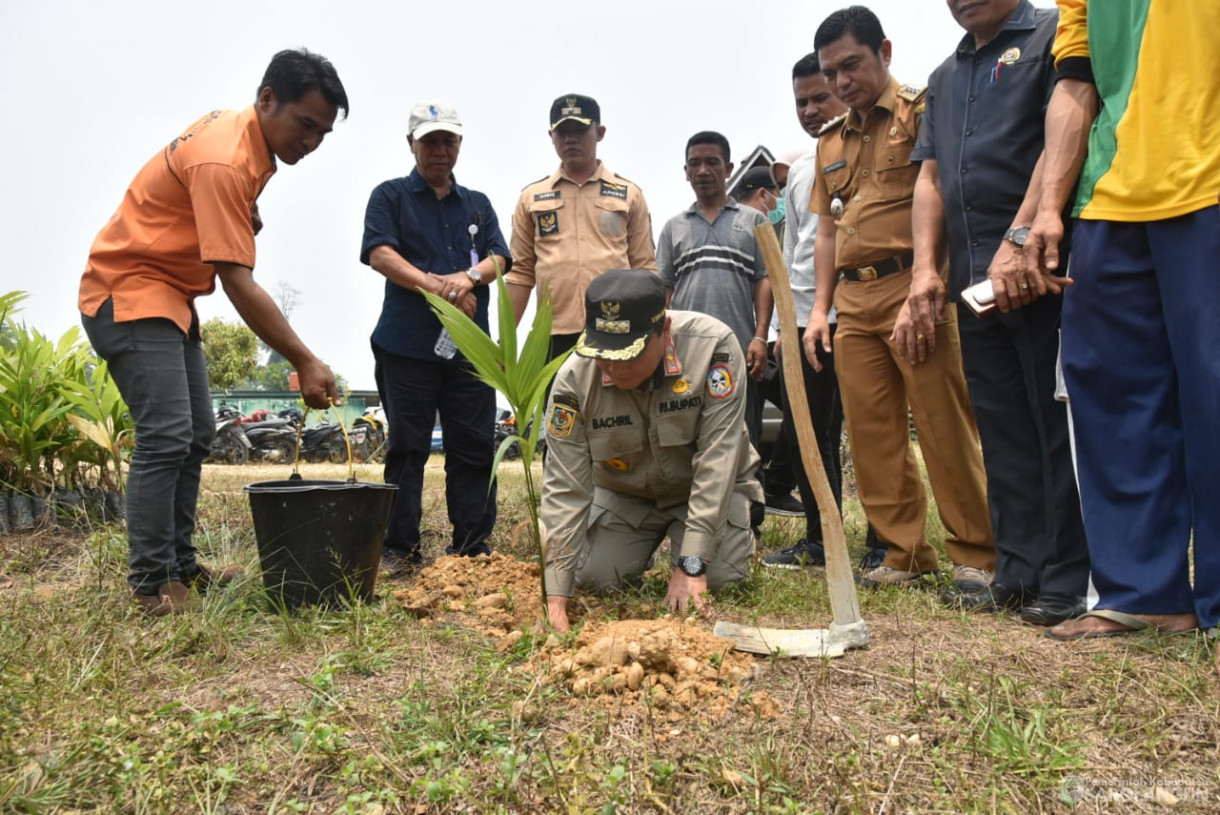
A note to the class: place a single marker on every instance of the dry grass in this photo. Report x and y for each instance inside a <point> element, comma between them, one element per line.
<point>241,709</point>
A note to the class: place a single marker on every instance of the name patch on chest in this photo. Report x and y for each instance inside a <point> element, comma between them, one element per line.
<point>548,223</point>
<point>607,422</point>
<point>614,190</point>
<point>548,196</point>
<point>838,165</point>
<point>688,403</point>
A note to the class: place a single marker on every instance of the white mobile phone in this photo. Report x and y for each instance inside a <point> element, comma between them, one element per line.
<point>980,297</point>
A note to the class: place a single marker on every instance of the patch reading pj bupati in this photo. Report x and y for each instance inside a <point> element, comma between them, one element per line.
<point>614,190</point>
<point>548,196</point>
<point>566,399</point>
<point>719,358</point>
<point>719,381</point>
<point>561,421</point>
<point>548,223</point>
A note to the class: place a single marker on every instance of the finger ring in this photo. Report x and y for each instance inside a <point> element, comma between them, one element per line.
<point>1023,286</point>
<point>920,337</point>
<point>452,296</point>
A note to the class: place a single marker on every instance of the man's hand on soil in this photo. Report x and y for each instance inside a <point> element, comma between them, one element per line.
<point>684,589</point>
<point>557,612</point>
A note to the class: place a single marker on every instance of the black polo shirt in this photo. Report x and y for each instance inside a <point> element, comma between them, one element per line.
<point>984,125</point>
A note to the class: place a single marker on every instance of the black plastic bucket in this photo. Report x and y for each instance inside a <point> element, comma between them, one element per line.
<point>319,542</point>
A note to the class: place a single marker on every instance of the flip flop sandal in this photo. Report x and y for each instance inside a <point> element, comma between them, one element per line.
<point>1131,625</point>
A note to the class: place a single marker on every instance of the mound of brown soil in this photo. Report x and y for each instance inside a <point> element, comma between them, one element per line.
<point>672,665</point>
<point>668,664</point>
<point>498,594</point>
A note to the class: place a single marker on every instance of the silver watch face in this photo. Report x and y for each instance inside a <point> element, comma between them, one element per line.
<point>1018,235</point>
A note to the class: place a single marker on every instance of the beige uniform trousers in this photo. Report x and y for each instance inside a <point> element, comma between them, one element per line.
<point>877,385</point>
<point>619,550</point>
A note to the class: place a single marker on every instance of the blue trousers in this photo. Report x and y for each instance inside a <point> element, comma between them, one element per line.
<point>163,377</point>
<point>1140,340</point>
<point>413,392</point>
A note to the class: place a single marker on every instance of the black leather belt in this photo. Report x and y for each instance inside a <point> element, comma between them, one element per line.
<point>879,269</point>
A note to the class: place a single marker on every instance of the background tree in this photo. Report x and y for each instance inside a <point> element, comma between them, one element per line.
<point>231,350</point>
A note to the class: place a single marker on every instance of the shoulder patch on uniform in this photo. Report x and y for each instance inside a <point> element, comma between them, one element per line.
<point>566,399</point>
<point>548,196</point>
<point>833,123</point>
<point>561,421</point>
<point>719,358</point>
<point>612,190</point>
<point>838,165</point>
<point>911,93</point>
<point>720,382</point>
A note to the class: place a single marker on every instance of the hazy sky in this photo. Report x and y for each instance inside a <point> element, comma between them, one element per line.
<point>95,89</point>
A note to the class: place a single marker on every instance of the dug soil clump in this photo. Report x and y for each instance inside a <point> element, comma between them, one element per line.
<point>496,595</point>
<point>668,664</point>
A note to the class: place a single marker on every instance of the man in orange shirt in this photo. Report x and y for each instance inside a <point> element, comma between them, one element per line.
<point>189,217</point>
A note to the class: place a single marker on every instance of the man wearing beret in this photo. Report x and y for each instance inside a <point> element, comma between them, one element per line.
<point>647,440</point>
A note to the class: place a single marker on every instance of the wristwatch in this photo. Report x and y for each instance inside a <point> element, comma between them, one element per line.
<point>477,278</point>
<point>692,566</point>
<point>1017,235</point>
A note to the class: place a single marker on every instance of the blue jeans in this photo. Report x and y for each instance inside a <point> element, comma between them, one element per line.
<point>163,377</point>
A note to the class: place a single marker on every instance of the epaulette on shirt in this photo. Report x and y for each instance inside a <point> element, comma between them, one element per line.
<point>914,95</point>
<point>532,183</point>
<point>832,124</point>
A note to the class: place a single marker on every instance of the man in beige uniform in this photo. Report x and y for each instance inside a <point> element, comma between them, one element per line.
<point>863,190</point>
<point>576,223</point>
<point>647,439</point>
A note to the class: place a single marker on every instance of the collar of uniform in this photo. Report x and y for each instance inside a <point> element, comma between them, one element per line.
<point>559,175</point>
<point>886,100</point>
<point>264,161</point>
<point>1021,19</point>
<point>730,203</point>
<point>415,183</point>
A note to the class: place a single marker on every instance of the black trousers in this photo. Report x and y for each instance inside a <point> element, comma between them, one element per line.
<point>822,393</point>
<point>413,391</point>
<point>1010,361</point>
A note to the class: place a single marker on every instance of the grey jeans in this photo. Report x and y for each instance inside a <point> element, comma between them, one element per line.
<point>163,377</point>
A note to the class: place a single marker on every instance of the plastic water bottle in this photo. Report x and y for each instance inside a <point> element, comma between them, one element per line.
<point>444,348</point>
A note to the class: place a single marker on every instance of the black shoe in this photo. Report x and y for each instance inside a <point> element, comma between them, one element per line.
<point>803,553</point>
<point>400,564</point>
<point>1052,609</point>
<point>784,504</point>
<point>873,559</point>
<point>982,598</point>
<point>470,551</point>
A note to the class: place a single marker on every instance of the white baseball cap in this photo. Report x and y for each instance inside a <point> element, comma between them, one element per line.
<point>429,116</point>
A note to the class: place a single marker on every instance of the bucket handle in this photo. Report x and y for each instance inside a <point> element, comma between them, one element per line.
<point>347,440</point>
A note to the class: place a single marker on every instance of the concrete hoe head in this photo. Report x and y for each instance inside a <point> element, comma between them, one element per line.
<point>795,642</point>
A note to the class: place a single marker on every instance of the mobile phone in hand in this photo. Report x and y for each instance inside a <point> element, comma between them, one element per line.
<point>980,297</point>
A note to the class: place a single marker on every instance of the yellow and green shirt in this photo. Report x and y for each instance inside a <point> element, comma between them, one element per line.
<point>1154,151</point>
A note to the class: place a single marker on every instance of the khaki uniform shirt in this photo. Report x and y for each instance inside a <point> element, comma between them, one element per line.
<point>681,441</point>
<point>867,165</point>
<point>565,234</point>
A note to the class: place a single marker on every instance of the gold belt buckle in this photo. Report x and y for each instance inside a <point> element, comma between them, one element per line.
<point>866,273</point>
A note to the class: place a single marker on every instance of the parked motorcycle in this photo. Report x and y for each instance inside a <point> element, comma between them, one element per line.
<point>506,425</point>
<point>230,446</point>
<point>272,440</point>
<point>323,442</point>
<point>368,435</point>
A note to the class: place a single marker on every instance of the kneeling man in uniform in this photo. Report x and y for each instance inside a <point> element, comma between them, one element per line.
<point>646,439</point>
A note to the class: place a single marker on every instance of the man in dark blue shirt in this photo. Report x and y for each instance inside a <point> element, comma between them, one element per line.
<point>425,232</point>
<point>980,147</point>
